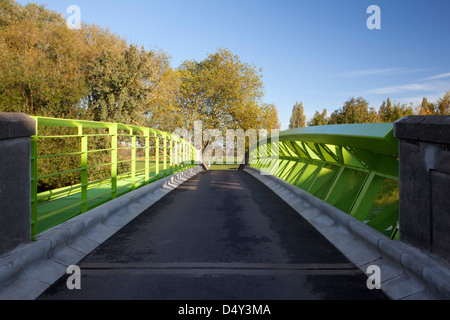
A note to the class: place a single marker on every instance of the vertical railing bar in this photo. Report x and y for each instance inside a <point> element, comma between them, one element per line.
<point>113,133</point>
<point>178,150</point>
<point>34,182</point>
<point>157,157</point>
<point>84,165</point>
<point>177,155</point>
<point>133,159</point>
<point>171,155</point>
<point>165,155</point>
<point>147,155</point>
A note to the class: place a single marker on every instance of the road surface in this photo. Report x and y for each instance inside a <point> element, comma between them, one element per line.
<point>222,235</point>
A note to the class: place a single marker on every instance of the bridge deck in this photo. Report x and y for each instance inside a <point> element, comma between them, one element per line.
<point>220,235</point>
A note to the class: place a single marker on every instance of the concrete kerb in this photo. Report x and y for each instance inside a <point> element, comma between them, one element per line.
<point>31,268</point>
<point>406,272</point>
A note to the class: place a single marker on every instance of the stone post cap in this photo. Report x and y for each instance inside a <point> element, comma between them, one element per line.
<point>16,125</point>
<point>424,128</point>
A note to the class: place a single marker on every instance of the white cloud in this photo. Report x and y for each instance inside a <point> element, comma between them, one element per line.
<point>418,99</point>
<point>380,72</point>
<point>400,88</point>
<point>371,72</point>
<point>438,76</point>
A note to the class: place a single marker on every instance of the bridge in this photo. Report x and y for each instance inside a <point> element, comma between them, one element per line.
<point>330,212</point>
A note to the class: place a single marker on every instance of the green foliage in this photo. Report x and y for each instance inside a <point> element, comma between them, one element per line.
<point>47,69</point>
<point>118,86</point>
<point>40,62</point>
<point>319,119</point>
<point>223,93</point>
<point>298,118</point>
<point>441,107</point>
<point>443,104</point>
<point>353,111</point>
<point>388,113</point>
<point>358,111</point>
<point>220,91</point>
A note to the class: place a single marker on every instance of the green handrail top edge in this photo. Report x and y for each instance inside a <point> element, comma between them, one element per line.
<point>376,137</point>
<point>58,122</point>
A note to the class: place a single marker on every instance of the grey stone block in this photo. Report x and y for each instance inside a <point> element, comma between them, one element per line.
<point>434,129</point>
<point>15,179</point>
<point>16,125</point>
<point>424,147</point>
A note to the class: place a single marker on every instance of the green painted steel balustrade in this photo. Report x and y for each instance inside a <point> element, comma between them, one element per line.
<point>352,167</point>
<point>78,165</point>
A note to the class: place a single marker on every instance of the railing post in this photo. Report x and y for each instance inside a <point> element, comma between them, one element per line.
<point>113,133</point>
<point>34,181</point>
<point>165,157</point>
<point>171,155</point>
<point>174,155</point>
<point>424,181</point>
<point>84,164</point>
<point>133,159</point>
<point>147,155</point>
<point>15,179</point>
<point>157,158</point>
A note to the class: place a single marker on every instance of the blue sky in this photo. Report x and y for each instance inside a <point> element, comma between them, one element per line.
<point>319,52</point>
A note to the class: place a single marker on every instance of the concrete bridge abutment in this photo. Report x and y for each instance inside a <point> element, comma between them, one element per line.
<point>15,183</point>
<point>424,146</point>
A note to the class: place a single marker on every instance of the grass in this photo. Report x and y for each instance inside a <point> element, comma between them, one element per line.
<point>224,167</point>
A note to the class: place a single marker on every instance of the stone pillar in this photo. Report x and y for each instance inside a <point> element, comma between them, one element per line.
<point>15,179</point>
<point>424,148</point>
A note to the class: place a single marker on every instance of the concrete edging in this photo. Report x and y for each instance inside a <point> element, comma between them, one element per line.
<point>31,268</point>
<point>406,272</point>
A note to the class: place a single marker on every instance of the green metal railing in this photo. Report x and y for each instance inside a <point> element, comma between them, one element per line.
<point>78,165</point>
<point>352,167</point>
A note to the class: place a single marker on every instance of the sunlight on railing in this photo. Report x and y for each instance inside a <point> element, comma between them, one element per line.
<point>78,165</point>
<point>352,167</point>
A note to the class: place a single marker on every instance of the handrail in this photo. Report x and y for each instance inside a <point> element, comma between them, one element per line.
<point>353,167</point>
<point>99,161</point>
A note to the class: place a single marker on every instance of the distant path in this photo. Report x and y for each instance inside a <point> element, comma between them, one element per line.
<point>220,235</point>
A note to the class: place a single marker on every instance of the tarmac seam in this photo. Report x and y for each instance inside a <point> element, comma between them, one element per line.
<point>221,268</point>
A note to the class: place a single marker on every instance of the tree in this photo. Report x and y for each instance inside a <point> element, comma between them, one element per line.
<point>223,93</point>
<point>298,119</point>
<point>385,111</point>
<point>119,85</point>
<point>354,111</point>
<point>319,119</point>
<point>388,113</point>
<point>427,108</point>
<point>443,104</point>
<point>441,107</point>
<point>40,62</point>
<point>162,111</point>
<point>269,117</point>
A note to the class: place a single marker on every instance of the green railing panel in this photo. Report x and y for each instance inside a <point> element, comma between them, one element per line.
<point>78,165</point>
<point>352,167</point>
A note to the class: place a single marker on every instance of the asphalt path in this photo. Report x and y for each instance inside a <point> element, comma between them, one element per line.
<point>221,235</point>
